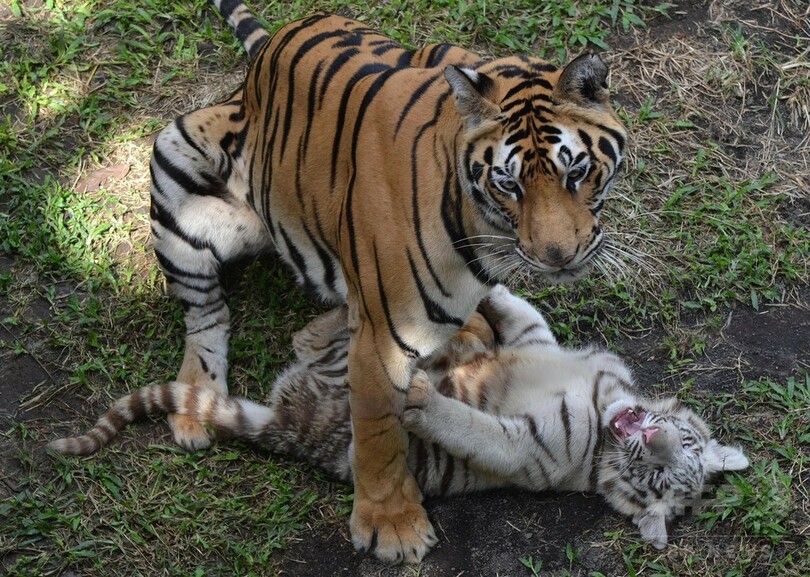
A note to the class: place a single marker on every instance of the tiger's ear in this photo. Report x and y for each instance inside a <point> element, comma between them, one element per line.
<point>721,458</point>
<point>583,82</point>
<point>472,91</point>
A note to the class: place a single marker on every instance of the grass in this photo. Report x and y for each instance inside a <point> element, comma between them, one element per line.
<point>762,500</point>
<point>158,514</point>
<point>710,218</point>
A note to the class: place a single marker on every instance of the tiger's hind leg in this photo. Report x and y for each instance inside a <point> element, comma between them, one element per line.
<point>201,220</point>
<point>324,340</point>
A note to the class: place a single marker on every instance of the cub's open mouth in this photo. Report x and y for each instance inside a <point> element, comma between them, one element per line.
<point>626,423</point>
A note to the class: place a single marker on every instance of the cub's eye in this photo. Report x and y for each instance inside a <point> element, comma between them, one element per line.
<point>508,185</point>
<point>687,442</point>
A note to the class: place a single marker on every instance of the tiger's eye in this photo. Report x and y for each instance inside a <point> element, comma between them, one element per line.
<point>573,177</point>
<point>508,185</point>
<point>576,173</point>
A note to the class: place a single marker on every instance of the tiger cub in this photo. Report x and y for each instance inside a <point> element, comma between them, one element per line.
<point>504,404</point>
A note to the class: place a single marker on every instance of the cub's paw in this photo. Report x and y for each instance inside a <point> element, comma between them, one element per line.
<point>611,363</point>
<point>395,532</point>
<point>496,306</point>
<point>500,294</point>
<point>515,321</point>
<point>188,433</point>
<point>416,402</point>
<point>474,337</point>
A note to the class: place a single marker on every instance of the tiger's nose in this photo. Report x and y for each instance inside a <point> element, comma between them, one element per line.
<point>555,256</point>
<point>662,440</point>
<point>649,433</point>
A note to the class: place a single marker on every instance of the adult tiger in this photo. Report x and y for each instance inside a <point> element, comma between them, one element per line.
<point>405,183</point>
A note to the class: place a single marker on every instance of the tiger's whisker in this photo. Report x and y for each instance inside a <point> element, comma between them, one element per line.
<point>483,236</point>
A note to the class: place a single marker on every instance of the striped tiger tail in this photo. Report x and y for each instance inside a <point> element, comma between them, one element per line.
<point>229,415</point>
<point>246,27</point>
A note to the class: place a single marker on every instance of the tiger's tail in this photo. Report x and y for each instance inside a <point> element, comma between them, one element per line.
<point>244,23</point>
<point>229,415</point>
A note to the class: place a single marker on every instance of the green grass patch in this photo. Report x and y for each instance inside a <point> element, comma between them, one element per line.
<point>762,500</point>
<point>208,502</point>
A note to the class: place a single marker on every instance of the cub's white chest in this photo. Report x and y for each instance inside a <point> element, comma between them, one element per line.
<point>541,381</point>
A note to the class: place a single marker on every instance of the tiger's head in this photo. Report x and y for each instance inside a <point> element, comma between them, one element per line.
<point>541,149</point>
<point>656,460</point>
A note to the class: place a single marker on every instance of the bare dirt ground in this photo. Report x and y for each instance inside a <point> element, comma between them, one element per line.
<point>487,534</point>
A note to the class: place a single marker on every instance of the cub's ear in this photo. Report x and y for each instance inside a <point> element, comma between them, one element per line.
<point>653,528</point>
<point>583,82</point>
<point>473,91</point>
<point>719,458</point>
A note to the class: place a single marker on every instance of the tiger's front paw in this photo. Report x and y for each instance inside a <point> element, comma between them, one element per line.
<point>396,530</point>
<point>418,398</point>
<point>188,433</point>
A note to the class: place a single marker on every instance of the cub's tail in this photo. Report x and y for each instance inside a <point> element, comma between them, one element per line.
<point>232,416</point>
<point>245,25</point>
<point>308,417</point>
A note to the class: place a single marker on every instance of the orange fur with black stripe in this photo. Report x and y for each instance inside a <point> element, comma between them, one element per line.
<point>404,183</point>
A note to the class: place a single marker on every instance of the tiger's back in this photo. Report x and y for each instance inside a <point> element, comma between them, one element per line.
<point>280,152</point>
